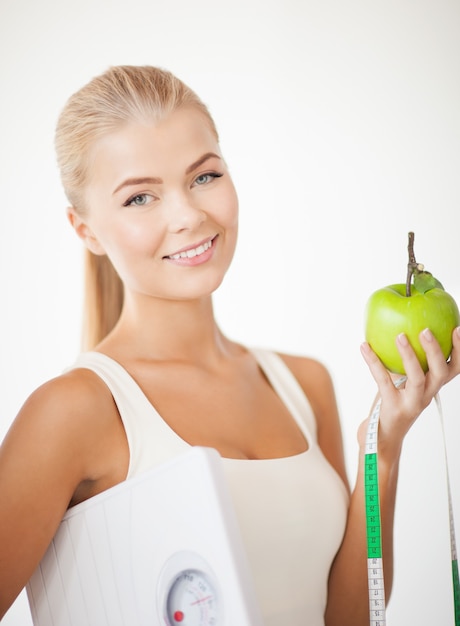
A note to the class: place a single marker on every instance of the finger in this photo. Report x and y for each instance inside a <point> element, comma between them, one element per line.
<point>438,370</point>
<point>435,357</point>
<point>414,371</point>
<point>379,372</point>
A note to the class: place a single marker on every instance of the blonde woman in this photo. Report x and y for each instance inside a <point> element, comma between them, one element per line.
<point>152,199</point>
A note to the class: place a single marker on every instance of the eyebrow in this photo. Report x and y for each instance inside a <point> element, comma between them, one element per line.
<point>152,180</point>
<point>201,160</point>
<point>138,181</point>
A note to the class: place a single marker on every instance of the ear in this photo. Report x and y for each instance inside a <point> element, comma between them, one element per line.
<point>84,232</point>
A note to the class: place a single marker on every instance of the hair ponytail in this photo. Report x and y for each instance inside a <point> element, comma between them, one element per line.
<point>120,95</point>
<point>103,299</point>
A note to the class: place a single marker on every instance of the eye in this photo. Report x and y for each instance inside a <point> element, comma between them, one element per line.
<point>203,179</point>
<point>140,199</point>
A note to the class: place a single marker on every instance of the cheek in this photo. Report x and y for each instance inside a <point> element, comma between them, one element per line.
<point>228,218</point>
<point>229,209</point>
<point>136,235</point>
<point>130,239</point>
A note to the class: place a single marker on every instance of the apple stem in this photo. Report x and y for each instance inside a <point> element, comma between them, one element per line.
<point>411,265</point>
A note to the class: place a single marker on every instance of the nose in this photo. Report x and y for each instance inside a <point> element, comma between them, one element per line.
<point>184,214</point>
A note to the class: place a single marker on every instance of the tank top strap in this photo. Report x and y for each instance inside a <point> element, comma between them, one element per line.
<point>289,390</point>
<point>150,439</point>
<point>118,380</point>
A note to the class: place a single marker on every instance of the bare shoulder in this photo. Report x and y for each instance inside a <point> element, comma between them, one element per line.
<point>78,392</point>
<point>73,405</point>
<point>316,382</point>
<point>64,425</point>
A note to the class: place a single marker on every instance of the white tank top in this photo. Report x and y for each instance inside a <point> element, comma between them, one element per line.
<point>292,511</point>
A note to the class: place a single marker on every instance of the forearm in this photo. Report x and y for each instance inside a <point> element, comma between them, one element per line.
<point>348,597</point>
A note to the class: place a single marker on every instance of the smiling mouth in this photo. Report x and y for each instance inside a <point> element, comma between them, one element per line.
<point>192,252</point>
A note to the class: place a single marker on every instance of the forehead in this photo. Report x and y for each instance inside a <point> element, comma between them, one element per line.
<point>152,147</point>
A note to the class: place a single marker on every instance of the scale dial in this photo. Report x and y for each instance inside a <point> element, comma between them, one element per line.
<point>192,600</point>
<point>188,593</point>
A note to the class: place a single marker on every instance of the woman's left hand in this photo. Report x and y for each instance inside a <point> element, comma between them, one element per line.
<point>401,406</point>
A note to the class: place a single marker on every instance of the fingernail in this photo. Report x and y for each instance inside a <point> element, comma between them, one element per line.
<point>365,348</point>
<point>457,330</point>
<point>403,339</point>
<point>428,334</point>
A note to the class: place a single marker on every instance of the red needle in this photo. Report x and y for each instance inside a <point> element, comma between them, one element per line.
<point>201,600</point>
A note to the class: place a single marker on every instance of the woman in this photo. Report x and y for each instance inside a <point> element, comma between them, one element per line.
<point>152,199</point>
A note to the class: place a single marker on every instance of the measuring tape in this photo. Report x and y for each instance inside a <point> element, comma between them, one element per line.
<point>377,610</point>
<point>453,546</point>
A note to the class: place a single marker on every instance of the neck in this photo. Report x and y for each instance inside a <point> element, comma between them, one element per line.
<point>151,328</point>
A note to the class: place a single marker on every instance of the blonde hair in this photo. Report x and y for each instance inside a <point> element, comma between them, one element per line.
<point>116,97</point>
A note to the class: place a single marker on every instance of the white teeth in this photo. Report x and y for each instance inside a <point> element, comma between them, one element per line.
<point>188,254</point>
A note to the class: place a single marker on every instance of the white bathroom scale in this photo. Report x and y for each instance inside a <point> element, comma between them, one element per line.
<point>161,549</point>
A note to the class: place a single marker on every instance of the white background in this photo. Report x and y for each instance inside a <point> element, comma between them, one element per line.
<point>341,124</point>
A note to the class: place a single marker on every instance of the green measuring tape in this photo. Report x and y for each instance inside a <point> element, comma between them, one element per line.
<point>377,609</point>
<point>373,523</point>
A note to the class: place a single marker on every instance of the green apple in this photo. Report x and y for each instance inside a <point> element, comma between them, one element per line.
<point>390,312</point>
<point>410,308</point>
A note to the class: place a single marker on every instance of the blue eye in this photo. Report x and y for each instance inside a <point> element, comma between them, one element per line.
<point>141,199</point>
<point>203,179</point>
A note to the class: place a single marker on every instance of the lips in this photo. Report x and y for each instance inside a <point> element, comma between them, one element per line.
<point>190,253</point>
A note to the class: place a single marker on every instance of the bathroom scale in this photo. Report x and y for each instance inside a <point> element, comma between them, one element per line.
<point>160,549</point>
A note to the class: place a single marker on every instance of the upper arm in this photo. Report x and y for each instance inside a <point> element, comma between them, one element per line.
<point>317,384</point>
<point>48,451</point>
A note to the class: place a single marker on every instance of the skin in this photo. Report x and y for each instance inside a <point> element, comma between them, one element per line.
<point>156,190</point>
